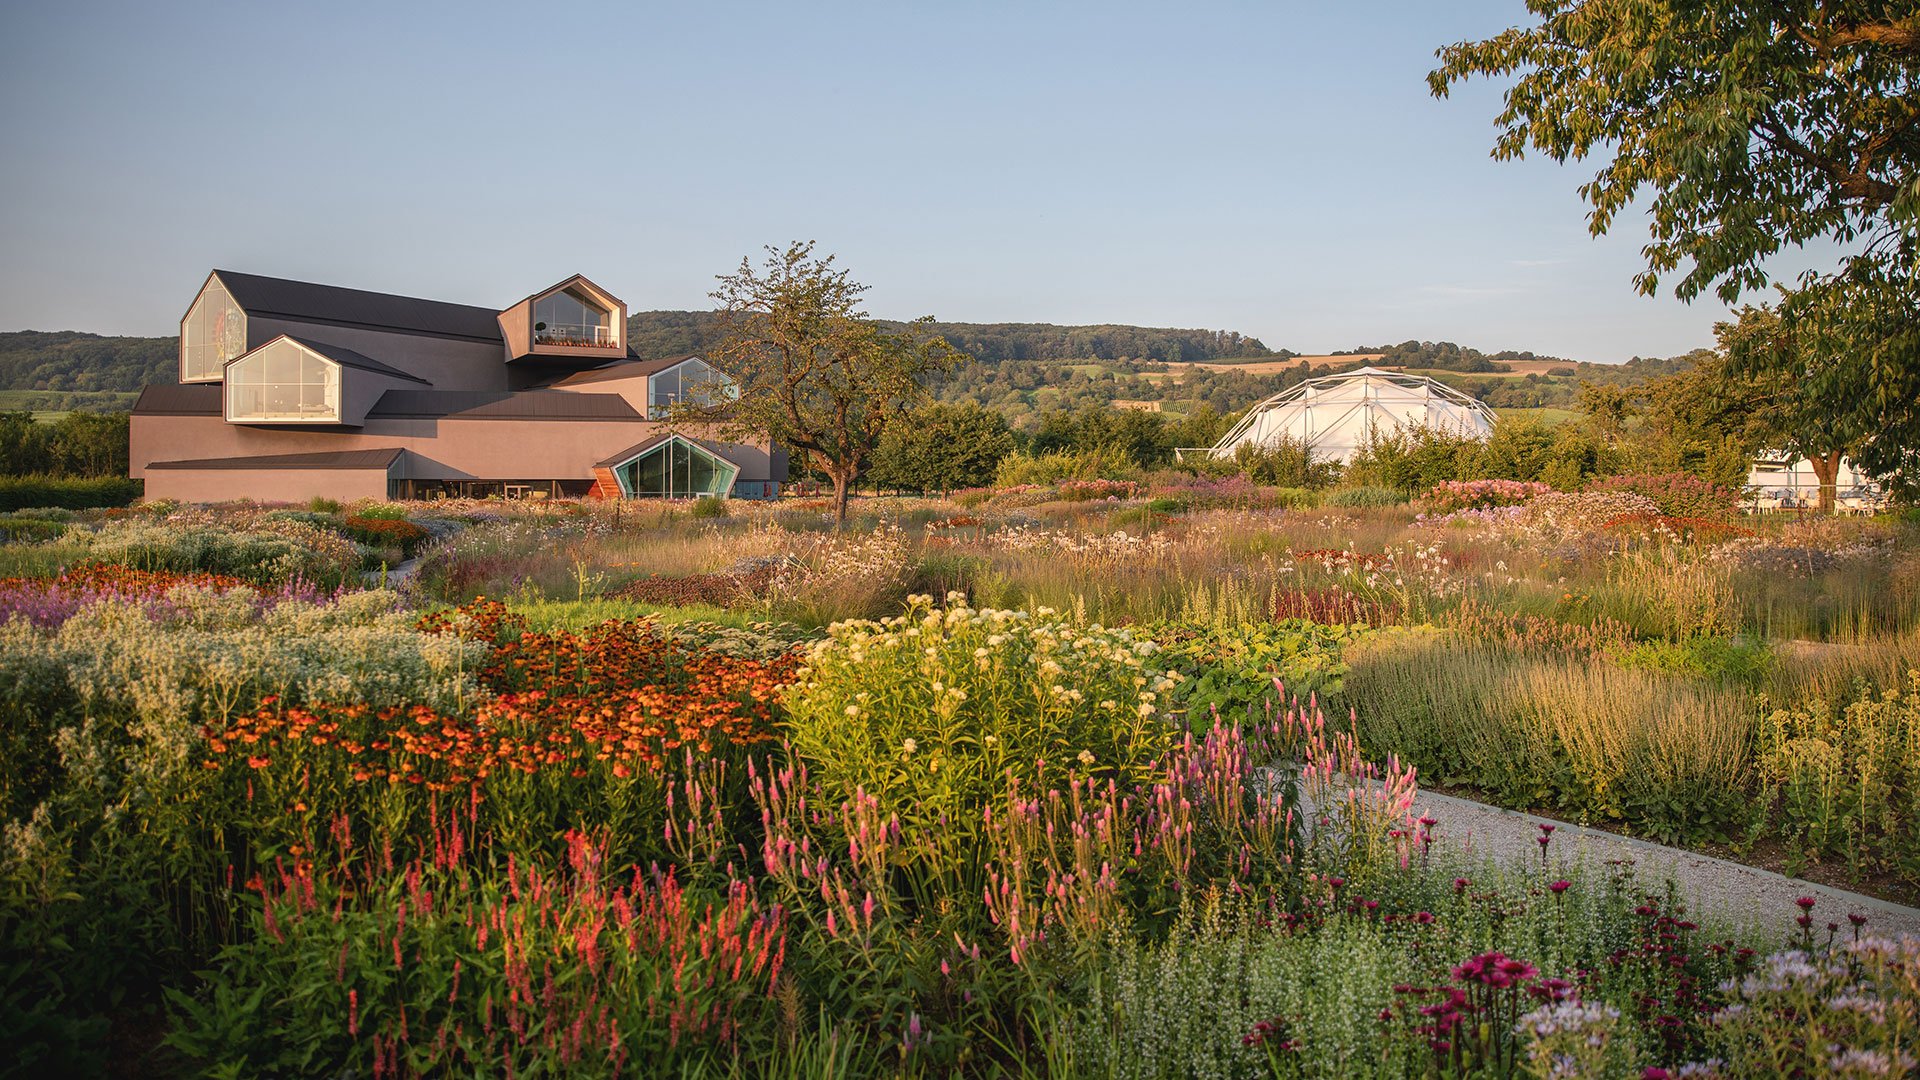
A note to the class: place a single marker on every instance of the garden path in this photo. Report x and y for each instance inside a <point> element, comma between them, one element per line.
<point>1721,887</point>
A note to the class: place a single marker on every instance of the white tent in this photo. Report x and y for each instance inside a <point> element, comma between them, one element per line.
<point>1335,415</point>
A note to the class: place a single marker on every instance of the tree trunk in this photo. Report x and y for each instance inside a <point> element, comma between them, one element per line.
<point>842,487</point>
<point>1826,469</point>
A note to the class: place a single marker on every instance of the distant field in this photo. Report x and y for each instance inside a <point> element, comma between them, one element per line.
<point>1141,406</point>
<point>1268,365</point>
<point>51,405</point>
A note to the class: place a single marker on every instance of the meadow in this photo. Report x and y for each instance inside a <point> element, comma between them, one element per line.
<point>1067,777</point>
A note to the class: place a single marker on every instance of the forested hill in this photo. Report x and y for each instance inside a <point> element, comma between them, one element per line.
<point>73,361</point>
<point>671,333</point>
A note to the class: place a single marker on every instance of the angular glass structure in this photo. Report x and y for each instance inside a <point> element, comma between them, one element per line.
<point>690,382</point>
<point>214,332</point>
<point>677,468</point>
<point>282,381</point>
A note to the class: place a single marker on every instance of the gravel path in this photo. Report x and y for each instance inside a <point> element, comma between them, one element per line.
<point>1719,886</point>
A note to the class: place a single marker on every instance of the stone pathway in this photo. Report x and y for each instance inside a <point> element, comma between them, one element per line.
<point>1718,886</point>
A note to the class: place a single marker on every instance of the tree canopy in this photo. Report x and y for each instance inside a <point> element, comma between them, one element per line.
<point>1750,126</point>
<point>815,375</point>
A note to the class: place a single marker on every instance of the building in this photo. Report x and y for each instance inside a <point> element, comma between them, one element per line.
<point>1336,415</point>
<point>290,391</point>
<point>1779,481</point>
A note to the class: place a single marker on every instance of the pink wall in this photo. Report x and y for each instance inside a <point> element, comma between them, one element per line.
<point>266,485</point>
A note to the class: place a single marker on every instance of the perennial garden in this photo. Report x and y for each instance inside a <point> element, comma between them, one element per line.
<point>1089,778</point>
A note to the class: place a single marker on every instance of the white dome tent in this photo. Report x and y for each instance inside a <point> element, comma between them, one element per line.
<point>1335,415</point>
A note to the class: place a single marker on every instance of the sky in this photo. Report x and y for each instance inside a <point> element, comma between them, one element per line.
<point>1278,169</point>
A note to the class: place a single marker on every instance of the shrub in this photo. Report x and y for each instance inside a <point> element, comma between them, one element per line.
<point>708,506</point>
<point>386,532</point>
<point>1229,670</point>
<point>1086,490</point>
<point>1848,785</point>
<point>264,551</point>
<point>1364,497</point>
<point>1020,467</point>
<point>1284,462</point>
<point>1451,495</point>
<point>932,710</point>
<point>29,530</point>
<point>67,492</point>
<point>322,505</point>
<point>1676,495</point>
<point>581,970</point>
<point>1661,754</point>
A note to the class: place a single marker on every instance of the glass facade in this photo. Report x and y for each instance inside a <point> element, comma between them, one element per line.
<point>568,317</point>
<point>282,381</point>
<point>676,469</point>
<point>214,332</point>
<point>691,382</point>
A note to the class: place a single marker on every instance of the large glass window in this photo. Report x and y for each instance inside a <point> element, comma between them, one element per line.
<point>214,332</point>
<point>677,469</point>
<point>692,382</point>
<point>282,381</point>
<point>568,317</point>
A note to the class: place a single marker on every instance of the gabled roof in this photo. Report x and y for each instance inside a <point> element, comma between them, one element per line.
<point>179,399</point>
<point>499,405</point>
<point>577,279</point>
<point>342,356</point>
<point>639,448</point>
<point>336,459</point>
<point>302,300</point>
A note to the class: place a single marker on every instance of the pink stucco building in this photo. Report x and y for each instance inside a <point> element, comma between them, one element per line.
<point>290,391</point>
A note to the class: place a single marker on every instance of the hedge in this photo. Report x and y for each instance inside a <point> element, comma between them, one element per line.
<point>67,492</point>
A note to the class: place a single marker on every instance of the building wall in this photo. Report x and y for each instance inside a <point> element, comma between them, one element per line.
<point>440,449</point>
<point>447,363</point>
<point>266,485</point>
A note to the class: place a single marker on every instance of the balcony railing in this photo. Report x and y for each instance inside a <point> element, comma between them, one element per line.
<point>578,335</point>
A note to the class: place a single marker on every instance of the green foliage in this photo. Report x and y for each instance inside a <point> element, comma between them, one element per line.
<point>1847,783</point>
<point>678,333</point>
<point>1677,494</point>
<point>1361,497</point>
<point>1021,467</point>
<point>30,529</point>
<point>68,360</point>
<point>1754,129</point>
<point>815,374</point>
<point>78,444</point>
<point>1661,754</point>
<point>1230,669</point>
<point>71,493</point>
<point>1746,661</point>
<point>708,507</point>
<point>268,552</point>
<point>1283,462</point>
<point>939,447</point>
<point>930,712</point>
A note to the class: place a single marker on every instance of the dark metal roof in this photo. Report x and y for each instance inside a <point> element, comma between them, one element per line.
<point>303,300</point>
<point>625,369</point>
<point>499,405</point>
<point>336,459</point>
<point>349,358</point>
<point>179,399</point>
<point>639,448</point>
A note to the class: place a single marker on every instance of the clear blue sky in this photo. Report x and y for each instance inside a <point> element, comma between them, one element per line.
<point>1277,169</point>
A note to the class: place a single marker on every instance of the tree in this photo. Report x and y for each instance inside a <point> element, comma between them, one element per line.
<point>1754,124</point>
<point>1757,377</point>
<point>941,447</point>
<point>815,374</point>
